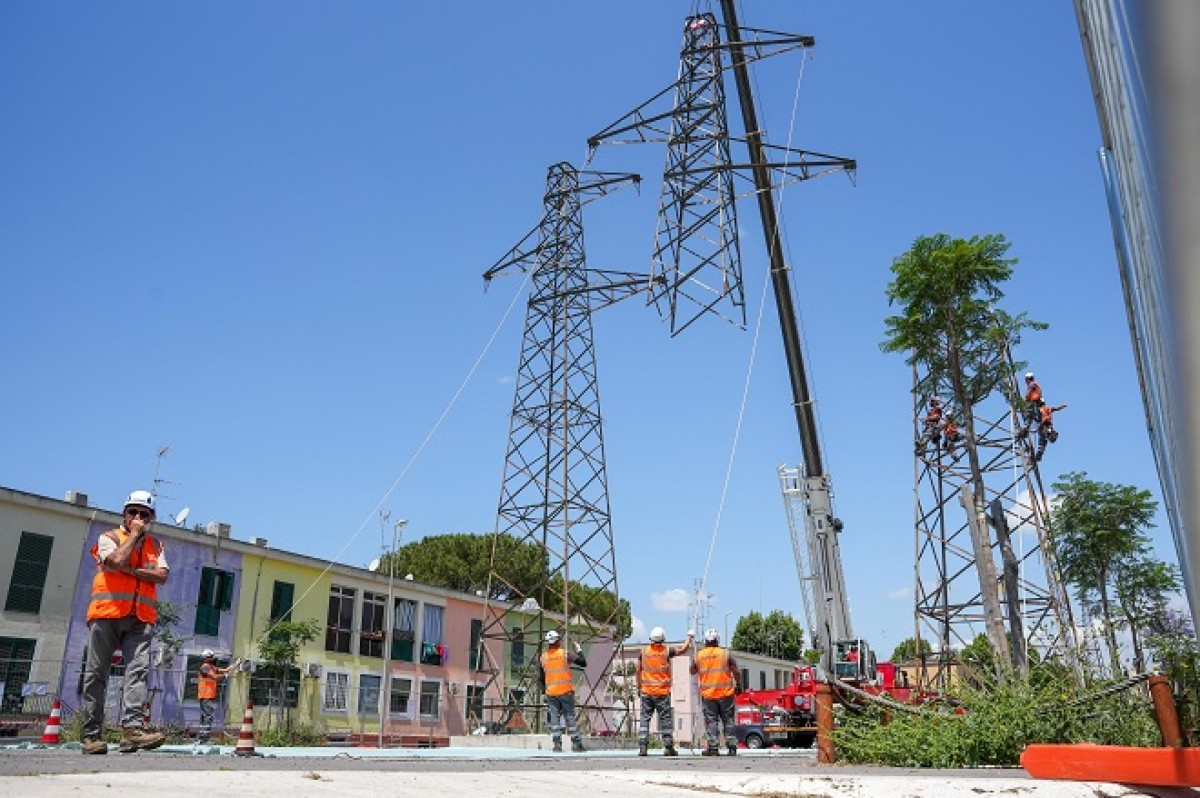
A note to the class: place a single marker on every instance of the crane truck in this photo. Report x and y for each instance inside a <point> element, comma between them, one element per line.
<point>787,715</point>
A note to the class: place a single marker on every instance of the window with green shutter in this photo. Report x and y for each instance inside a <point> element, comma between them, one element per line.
<point>281,601</point>
<point>216,595</point>
<point>29,573</point>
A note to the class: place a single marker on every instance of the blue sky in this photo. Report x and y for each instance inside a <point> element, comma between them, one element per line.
<point>255,233</point>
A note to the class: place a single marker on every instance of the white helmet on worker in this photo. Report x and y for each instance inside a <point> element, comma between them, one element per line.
<point>552,637</point>
<point>141,498</point>
<point>207,653</point>
<point>1029,375</point>
<point>657,635</point>
<point>712,636</point>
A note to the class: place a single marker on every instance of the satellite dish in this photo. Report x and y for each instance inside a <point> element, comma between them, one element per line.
<point>182,516</point>
<point>374,565</point>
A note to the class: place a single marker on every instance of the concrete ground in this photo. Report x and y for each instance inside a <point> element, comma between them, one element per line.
<point>40,771</point>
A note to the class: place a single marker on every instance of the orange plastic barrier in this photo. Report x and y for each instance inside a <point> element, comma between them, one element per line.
<point>1164,767</point>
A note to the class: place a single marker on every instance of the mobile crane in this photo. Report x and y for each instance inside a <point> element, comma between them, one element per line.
<point>808,494</point>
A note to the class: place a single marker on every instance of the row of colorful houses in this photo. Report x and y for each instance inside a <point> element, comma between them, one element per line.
<point>229,593</point>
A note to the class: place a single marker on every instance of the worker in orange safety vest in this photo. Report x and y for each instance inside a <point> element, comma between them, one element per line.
<point>206,690</point>
<point>559,687</point>
<point>130,565</point>
<point>720,679</point>
<point>654,689</point>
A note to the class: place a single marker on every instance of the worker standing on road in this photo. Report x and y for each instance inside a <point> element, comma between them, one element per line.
<point>559,688</point>
<point>720,679</point>
<point>130,565</point>
<point>206,691</point>
<point>654,688</point>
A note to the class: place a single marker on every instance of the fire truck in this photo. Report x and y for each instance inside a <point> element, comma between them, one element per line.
<point>787,716</point>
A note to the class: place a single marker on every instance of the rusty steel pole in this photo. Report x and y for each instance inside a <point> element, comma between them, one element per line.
<point>825,753</point>
<point>1165,711</point>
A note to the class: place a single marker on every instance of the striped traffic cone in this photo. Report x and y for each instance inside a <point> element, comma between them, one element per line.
<point>53,732</point>
<point>245,743</point>
<point>146,715</point>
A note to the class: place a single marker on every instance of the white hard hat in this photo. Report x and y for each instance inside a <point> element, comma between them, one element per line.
<point>657,634</point>
<point>1029,375</point>
<point>711,636</point>
<point>552,637</point>
<point>207,653</point>
<point>141,498</point>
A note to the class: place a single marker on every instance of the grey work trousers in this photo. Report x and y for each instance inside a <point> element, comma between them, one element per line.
<point>562,713</point>
<point>718,712</point>
<point>661,704</point>
<point>105,635</point>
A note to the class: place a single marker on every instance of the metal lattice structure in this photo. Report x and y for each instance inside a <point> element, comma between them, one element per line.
<point>951,606</point>
<point>696,250</point>
<point>554,493</point>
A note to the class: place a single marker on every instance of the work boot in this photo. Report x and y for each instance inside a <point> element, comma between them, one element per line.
<point>733,750</point>
<point>557,747</point>
<point>641,749</point>
<point>577,746</point>
<point>670,751</point>
<point>139,740</point>
<point>709,752</point>
<point>94,745</point>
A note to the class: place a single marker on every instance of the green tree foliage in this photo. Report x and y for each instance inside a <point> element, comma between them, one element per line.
<point>463,562</point>
<point>1094,527</point>
<point>949,326</point>
<point>991,726</point>
<point>166,633</point>
<point>1171,641</point>
<point>1143,587</point>
<point>776,635</point>
<point>280,650</point>
<point>909,650</point>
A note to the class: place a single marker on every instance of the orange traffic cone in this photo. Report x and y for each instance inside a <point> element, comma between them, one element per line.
<point>245,743</point>
<point>53,732</point>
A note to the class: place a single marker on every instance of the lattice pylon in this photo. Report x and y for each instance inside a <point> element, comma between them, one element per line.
<point>554,492</point>
<point>696,243</point>
<point>949,600</point>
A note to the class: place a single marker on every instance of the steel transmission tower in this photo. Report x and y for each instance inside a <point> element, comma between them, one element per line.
<point>554,493</point>
<point>1019,571</point>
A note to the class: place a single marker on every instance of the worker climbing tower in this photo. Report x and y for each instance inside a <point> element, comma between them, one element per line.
<point>553,561</point>
<point>983,574</point>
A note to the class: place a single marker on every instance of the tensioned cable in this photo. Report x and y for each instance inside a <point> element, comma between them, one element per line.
<point>753,352</point>
<point>419,450</point>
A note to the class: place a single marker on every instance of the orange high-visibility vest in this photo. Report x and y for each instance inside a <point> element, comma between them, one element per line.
<point>712,664</point>
<point>207,686</point>
<point>656,670</point>
<point>558,671</point>
<point>1047,414</point>
<point>119,595</point>
<point>1034,394</point>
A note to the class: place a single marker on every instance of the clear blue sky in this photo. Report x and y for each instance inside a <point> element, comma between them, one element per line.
<point>255,232</point>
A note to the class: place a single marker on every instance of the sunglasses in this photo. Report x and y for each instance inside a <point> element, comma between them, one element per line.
<point>145,515</point>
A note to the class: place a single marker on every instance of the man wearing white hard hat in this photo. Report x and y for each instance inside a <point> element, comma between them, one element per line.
<point>206,690</point>
<point>720,679</point>
<point>654,689</point>
<point>130,565</point>
<point>559,688</point>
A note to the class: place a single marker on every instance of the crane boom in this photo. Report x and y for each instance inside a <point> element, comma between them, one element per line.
<point>807,495</point>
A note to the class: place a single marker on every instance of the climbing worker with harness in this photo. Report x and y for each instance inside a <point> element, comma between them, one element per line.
<point>953,436</point>
<point>556,682</point>
<point>654,689</point>
<point>720,679</point>
<point>1046,431</point>
<point>1033,401</point>
<point>933,426</point>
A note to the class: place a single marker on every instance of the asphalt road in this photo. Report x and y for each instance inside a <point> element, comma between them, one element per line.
<point>350,773</point>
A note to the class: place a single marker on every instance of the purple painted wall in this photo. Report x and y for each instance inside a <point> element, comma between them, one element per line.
<point>187,556</point>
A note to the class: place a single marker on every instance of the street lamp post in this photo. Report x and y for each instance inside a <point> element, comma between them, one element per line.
<point>389,618</point>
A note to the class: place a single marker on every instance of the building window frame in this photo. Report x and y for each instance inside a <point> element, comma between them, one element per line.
<point>30,567</point>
